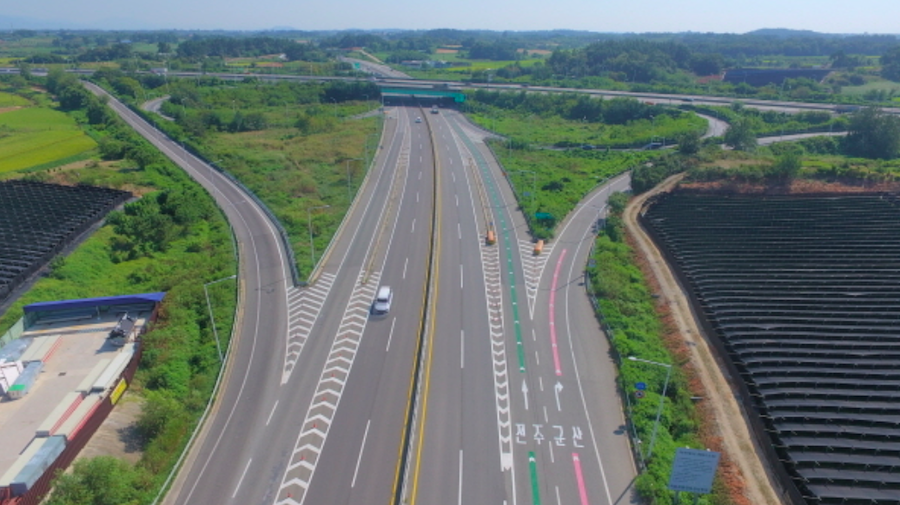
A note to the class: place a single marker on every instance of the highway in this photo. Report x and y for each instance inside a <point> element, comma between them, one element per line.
<point>295,355</point>
<point>509,414</point>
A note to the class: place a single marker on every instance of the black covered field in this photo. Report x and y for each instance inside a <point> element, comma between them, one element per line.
<point>38,220</point>
<point>802,294</point>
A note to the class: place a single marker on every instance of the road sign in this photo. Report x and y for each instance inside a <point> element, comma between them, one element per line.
<point>641,385</point>
<point>526,193</point>
<point>693,470</point>
<point>543,215</point>
<point>592,264</point>
<point>638,394</point>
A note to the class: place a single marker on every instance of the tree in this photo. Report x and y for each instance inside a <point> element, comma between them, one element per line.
<point>787,166</point>
<point>890,64</point>
<point>103,480</point>
<point>873,134</point>
<point>740,136</point>
<point>688,142</point>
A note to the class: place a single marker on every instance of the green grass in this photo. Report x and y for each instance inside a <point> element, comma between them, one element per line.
<point>541,130</point>
<point>878,85</point>
<point>35,136</point>
<point>11,100</point>
<point>561,179</point>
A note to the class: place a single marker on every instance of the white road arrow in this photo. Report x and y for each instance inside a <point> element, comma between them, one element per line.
<point>557,388</point>
<point>525,393</point>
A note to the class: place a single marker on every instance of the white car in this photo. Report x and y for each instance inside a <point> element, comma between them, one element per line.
<point>418,120</point>
<point>382,303</point>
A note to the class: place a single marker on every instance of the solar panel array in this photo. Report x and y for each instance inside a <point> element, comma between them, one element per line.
<point>803,295</point>
<point>39,220</point>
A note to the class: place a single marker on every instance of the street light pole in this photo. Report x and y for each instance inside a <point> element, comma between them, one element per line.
<point>350,198</point>
<point>212,319</point>
<point>312,245</point>
<point>662,399</point>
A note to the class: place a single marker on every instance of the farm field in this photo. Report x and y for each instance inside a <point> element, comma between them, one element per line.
<point>37,136</point>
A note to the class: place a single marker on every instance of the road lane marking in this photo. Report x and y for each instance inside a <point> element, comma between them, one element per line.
<point>413,226</point>
<point>459,231</point>
<point>579,477</point>
<point>405,264</point>
<point>417,197</point>
<point>462,349</point>
<point>541,382</point>
<point>459,502</point>
<point>557,389</point>
<point>537,358</point>
<point>272,413</point>
<point>460,277</point>
<point>420,175</point>
<point>453,174</point>
<point>533,335</point>
<point>553,342</point>
<point>242,478</point>
<point>362,448</point>
<point>546,419</point>
<point>420,158</point>
<point>457,200</point>
<point>390,335</point>
<point>525,392</point>
<point>558,501</point>
<point>535,484</point>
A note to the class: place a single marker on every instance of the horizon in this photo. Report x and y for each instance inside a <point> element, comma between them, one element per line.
<point>642,16</point>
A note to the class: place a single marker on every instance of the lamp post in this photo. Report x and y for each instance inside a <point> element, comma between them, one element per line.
<point>662,399</point>
<point>212,319</point>
<point>335,107</point>
<point>349,198</point>
<point>312,245</point>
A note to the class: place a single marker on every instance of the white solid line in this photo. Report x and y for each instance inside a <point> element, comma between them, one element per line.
<point>460,477</point>
<point>550,446</point>
<point>390,335</point>
<point>558,501</point>
<point>242,478</point>
<point>361,448</point>
<point>414,226</point>
<point>405,264</point>
<point>272,413</point>
<point>462,349</point>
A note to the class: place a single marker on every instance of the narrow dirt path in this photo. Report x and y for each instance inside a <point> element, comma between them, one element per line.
<point>730,419</point>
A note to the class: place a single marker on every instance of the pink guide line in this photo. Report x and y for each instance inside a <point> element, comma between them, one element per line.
<point>559,263</point>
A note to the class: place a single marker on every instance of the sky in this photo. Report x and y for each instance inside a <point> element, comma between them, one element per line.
<point>731,16</point>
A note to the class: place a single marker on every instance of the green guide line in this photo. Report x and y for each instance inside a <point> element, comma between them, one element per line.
<point>483,166</point>
<point>535,488</point>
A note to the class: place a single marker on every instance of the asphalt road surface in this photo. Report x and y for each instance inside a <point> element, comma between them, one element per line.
<point>519,402</point>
